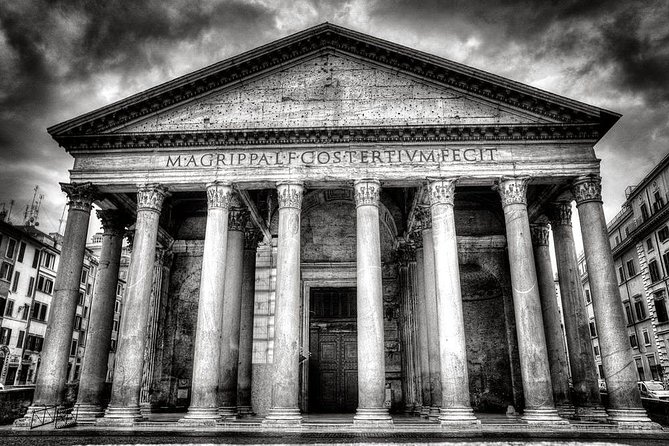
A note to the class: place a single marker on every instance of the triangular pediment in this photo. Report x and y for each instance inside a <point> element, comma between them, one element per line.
<point>331,90</point>
<point>330,77</point>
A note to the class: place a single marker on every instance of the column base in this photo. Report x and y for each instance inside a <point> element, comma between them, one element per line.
<point>227,413</point>
<point>425,411</point>
<point>632,418</point>
<point>376,417</point>
<point>283,417</point>
<point>200,416</point>
<point>433,415</point>
<point>566,410</point>
<point>88,413</point>
<point>592,413</point>
<point>245,411</point>
<point>145,409</point>
<point>543,416</point>
<point>457,416</point>
<point>126,415</point>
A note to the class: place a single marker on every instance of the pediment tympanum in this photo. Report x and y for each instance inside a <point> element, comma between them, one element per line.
<point>330,91</point>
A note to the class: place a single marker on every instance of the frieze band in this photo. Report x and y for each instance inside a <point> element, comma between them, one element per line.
<point>513,190</point>
<point>587,188</point>
<point>367,192</point>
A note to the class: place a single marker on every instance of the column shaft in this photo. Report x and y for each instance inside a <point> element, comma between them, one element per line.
<point>421,316</point>
<point>371,354</point>
<point>535,371</point>
<point>557,356</point>
<point>619,371</point>
<point>244,374</point>
<point>286,371</point>
<point>576,321</point>
<point>124,404</point>
<point>232,304</point>
<point>455,405</point>
<point>94,369</point>
<point>204,399</point>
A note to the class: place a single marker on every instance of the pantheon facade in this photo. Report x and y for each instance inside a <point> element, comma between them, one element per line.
<point>333,223</point>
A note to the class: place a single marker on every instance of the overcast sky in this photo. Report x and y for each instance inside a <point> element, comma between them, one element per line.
<point>59,59</point>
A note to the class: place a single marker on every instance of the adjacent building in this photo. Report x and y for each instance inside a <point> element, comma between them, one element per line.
<point>639,237</point>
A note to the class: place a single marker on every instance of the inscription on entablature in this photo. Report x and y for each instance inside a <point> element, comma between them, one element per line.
<point>330,157</point>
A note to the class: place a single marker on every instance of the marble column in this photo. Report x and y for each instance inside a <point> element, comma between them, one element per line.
<point>94,369</point>
<point>422,332</point>
<point>455,405</point>
<point>624,406</point>
<point>285,381</point>
<point>204,399</point>
<point>124,405</point>
<point>431,317</point>
<point>232,305</point>
<point>586,396</point>
<point>58,338</point>
<point>405,255</point>
<point>244,373</point>
<point>557,356</point>
<point>534,368</point>
<point>371,351</point>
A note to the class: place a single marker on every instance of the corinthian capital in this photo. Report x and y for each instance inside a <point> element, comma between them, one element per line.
<point>367,192</point>
<point>80,196</point>
<point>237,219</point>
<point>587,188</point>
<point>424,216</point>
<point>290,194</point>
<point>441,191</point>
<point>113,221</point>
<point>219,195</point>
<point>150,197</point>
<point>539,233</point>
<point>251,238</point>
<point>560,213</point>
<point>513,190</point>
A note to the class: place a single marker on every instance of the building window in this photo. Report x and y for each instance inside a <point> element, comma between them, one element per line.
<point>646,337</point>
<point>115,326</point>
<point>639,368</point>
<point>661,307</point>
<point>15,284</point>
<point>119,289</point>
<point>593,330</point>
<point>44,284</point>
<point>48,260</point>
<point>601,371</point>
<point>639,309</point>
<point>9,308</point>
<point>84,276</point>
<point>11,248</point>
<point>117,306</point>
<point>644,212</point>
<point>40,311</point>
<point>653,270</point>
<point>628,313</point>
<point>81,298</point>
<point>6,271</point>
<point>659,201</point>
<point>34,343</point>
<point>22,252</point>
<point>655,368</point>
<point>663,233</point>
<point>113,345</point>
<point>5,336</point>
<point>25,311</point>
<point>617,241</point>
<point>631,269</point>
<point>621,273</point>
<point>31,285</point>
<point>36,258</point>
<point>588,299</point>
<point>73,348</point>
<point>633,342</point>
<point>596,348</point>
<point>77,322</point>
<point>19,342</point>
<point>649,244</point>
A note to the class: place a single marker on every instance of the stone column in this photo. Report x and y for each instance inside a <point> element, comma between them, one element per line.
<point>286,366</point>
<point>557,357</point>
<point>58,338</point>
<point>534,368</point>
<point>422,332</point>
<point>232,304</point>
<point>619,372</point>
<point>94,369</point>
<point>405,255</point>
<point>371,350</point>
<point>455,405</point>
<point>431,317</point>
<point>244,374</point>
<point>204,399</point>
<point>124,405</point>
<point>576,322</point>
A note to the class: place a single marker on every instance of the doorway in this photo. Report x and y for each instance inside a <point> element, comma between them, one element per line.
<point>333,348</point>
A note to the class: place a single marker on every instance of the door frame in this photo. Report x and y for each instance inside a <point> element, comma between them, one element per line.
<point>319,275</point>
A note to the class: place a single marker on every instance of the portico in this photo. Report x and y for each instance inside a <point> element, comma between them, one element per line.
<point>334,160</point>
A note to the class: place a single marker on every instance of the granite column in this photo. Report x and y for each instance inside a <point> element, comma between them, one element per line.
<point>422,332</point>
